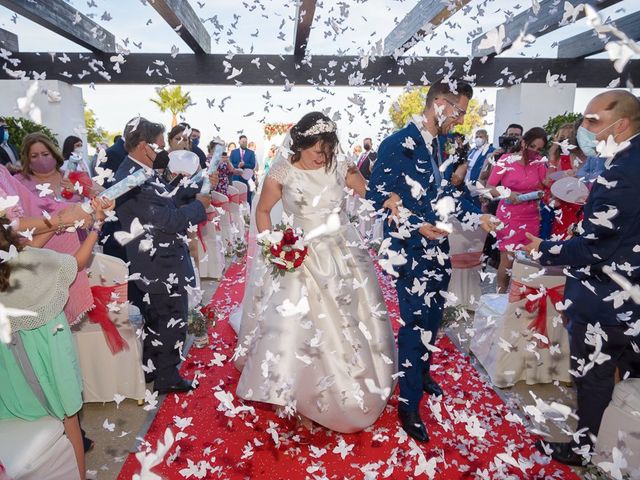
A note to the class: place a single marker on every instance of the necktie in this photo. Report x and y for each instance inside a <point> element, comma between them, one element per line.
<point>435,161</point>
<point>241,155</point>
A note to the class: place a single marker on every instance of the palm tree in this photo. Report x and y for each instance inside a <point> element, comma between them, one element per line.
<point>172,99</point>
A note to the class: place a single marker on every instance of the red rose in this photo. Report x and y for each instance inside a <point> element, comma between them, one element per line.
<point>280,267</point>
<point>275,250</point>
<point>290,256</point>
<point>298,262</point>
<point>289,238</point>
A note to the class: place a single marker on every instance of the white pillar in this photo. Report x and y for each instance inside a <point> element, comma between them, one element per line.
<point>64,117</point>
<point>531,105</point>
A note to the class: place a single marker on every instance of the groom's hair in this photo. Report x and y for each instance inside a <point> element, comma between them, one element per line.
<point>448,87</point>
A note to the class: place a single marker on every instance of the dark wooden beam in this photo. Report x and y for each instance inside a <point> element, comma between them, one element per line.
<point>214,69</point>
<point>418,23</point>
<point>183,19</point>
<point>61,18</point>
<point>588,43</point>
<point>547,21</point>
<point>302,28</point>
<point>8,40</point>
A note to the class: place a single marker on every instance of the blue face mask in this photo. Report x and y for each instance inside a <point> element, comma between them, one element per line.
<point>587,141</point>
<point>195,142</point>
<point>4,131</point>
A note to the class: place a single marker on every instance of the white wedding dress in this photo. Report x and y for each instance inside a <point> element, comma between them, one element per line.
<point>317,341</point>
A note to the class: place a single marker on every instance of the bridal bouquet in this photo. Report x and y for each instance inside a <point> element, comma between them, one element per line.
<point>283,248</point>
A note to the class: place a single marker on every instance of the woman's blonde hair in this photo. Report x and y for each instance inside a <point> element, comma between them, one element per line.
<point>28,142</point>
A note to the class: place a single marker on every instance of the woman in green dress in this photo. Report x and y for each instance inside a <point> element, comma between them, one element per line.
<point>39,366</point>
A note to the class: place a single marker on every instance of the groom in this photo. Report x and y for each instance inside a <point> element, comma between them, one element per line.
<point>407,180</point>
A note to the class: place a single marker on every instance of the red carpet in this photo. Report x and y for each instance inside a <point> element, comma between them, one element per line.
<point>470,434</point>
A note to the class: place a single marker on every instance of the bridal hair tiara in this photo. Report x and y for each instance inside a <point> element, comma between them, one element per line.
<point>321,126</point>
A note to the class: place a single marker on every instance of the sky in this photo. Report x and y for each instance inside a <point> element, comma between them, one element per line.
<point>266,26</point>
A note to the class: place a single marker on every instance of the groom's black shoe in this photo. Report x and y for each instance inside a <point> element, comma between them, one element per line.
<point>181,385</point>
<point>412,424</point>
<point>430,386</point>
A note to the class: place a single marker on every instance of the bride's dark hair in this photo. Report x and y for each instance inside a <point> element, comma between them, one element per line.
<point>301,141</point>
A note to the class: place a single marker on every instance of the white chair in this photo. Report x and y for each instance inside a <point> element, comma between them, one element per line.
<point>508,340</point>
<point>620,428</point>
<point>242,197</point>
<point>37,450</point>
<point>220,202</point>
<point>210,247</point>
<point>465,251</point>
<point>105,374</point>
<point>237,220</point>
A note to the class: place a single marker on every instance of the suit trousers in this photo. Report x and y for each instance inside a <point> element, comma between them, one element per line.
<point>161,338</point>
<point>414,312</point>
<point>595,388</point>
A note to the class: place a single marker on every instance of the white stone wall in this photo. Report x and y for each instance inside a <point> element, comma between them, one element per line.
<point>531,105</point>
<point>64,117</point>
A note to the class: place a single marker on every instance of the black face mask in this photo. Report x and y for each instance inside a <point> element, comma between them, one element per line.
<point>367,147</point>
<point>161,161</point>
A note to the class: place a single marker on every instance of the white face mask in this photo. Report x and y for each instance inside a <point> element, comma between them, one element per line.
<point>479,141</point>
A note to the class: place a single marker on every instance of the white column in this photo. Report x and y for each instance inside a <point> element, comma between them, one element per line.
<point>64,117</point>
<point>531,105</point>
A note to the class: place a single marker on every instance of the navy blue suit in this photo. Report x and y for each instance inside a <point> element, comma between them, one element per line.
<point>611,242</point>
<point>249,159</point>
<point>427,260</point>
<point>474,175</point>
<point>165,270</point>
<point>115,155</point>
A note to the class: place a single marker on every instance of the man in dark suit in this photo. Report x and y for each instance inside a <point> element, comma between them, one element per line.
<point>406,178</point>
<point>158,254</point>
<point>9,156</point>
<point>195,148</point>
<point>243,158</point>
<point>469,172</point>
<point>367,159</point>
<point>601,314</point>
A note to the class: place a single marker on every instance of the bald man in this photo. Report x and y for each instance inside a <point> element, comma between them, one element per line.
<point>600,313</point>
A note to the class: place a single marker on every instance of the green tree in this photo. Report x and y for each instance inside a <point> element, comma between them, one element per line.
<point>173,100</point>
<point>96,135</point>
<point>412,103</point>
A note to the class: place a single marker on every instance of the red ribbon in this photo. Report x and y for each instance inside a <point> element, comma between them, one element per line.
<point>83,180</point>
<point>102,296</point>
<point>466,260</point>
<point>242,197</point>
<point>536,300</point>
<point>234,198</point>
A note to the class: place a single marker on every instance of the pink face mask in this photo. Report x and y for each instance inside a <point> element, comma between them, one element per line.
<point>43,164</point>
<point>532,155</point>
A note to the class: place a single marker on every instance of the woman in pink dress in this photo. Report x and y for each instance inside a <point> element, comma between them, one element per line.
<point>42,162</point>
<point>522,171</point>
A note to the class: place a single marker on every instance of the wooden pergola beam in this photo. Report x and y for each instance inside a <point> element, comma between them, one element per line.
<point>322,71</point>
<point>302,28</point>
<point>183,19</point>
<point>61,18</point>
<point>547,21</point>
<point>588,43</point>
<point>8,40</point>
<point>418,23</point>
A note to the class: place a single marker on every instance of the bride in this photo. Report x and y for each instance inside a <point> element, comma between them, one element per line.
<point>317,342</point>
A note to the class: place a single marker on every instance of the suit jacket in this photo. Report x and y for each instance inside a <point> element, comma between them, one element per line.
<point>168,225</point>
<point>5,159</point>
<point>365,167</point>
<point>201,156</point>
<point>249,162</point>
<point>115,155</point>
<point>477,167</point>
<point>610,236</point>
<point>399,159</point>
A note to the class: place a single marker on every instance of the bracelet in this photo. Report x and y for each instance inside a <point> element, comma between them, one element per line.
<point>96,227</point>
<point>61,226</point>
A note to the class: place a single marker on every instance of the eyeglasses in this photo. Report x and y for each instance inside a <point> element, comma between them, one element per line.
<point>458,110</point>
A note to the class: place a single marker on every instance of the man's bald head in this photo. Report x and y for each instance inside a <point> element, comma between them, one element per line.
<point>615,112</point>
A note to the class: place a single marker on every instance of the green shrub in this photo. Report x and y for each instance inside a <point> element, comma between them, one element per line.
<point>554,123</point>
<point>21,127</point>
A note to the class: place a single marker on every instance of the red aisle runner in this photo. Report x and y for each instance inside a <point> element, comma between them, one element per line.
<point>471,436</point>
